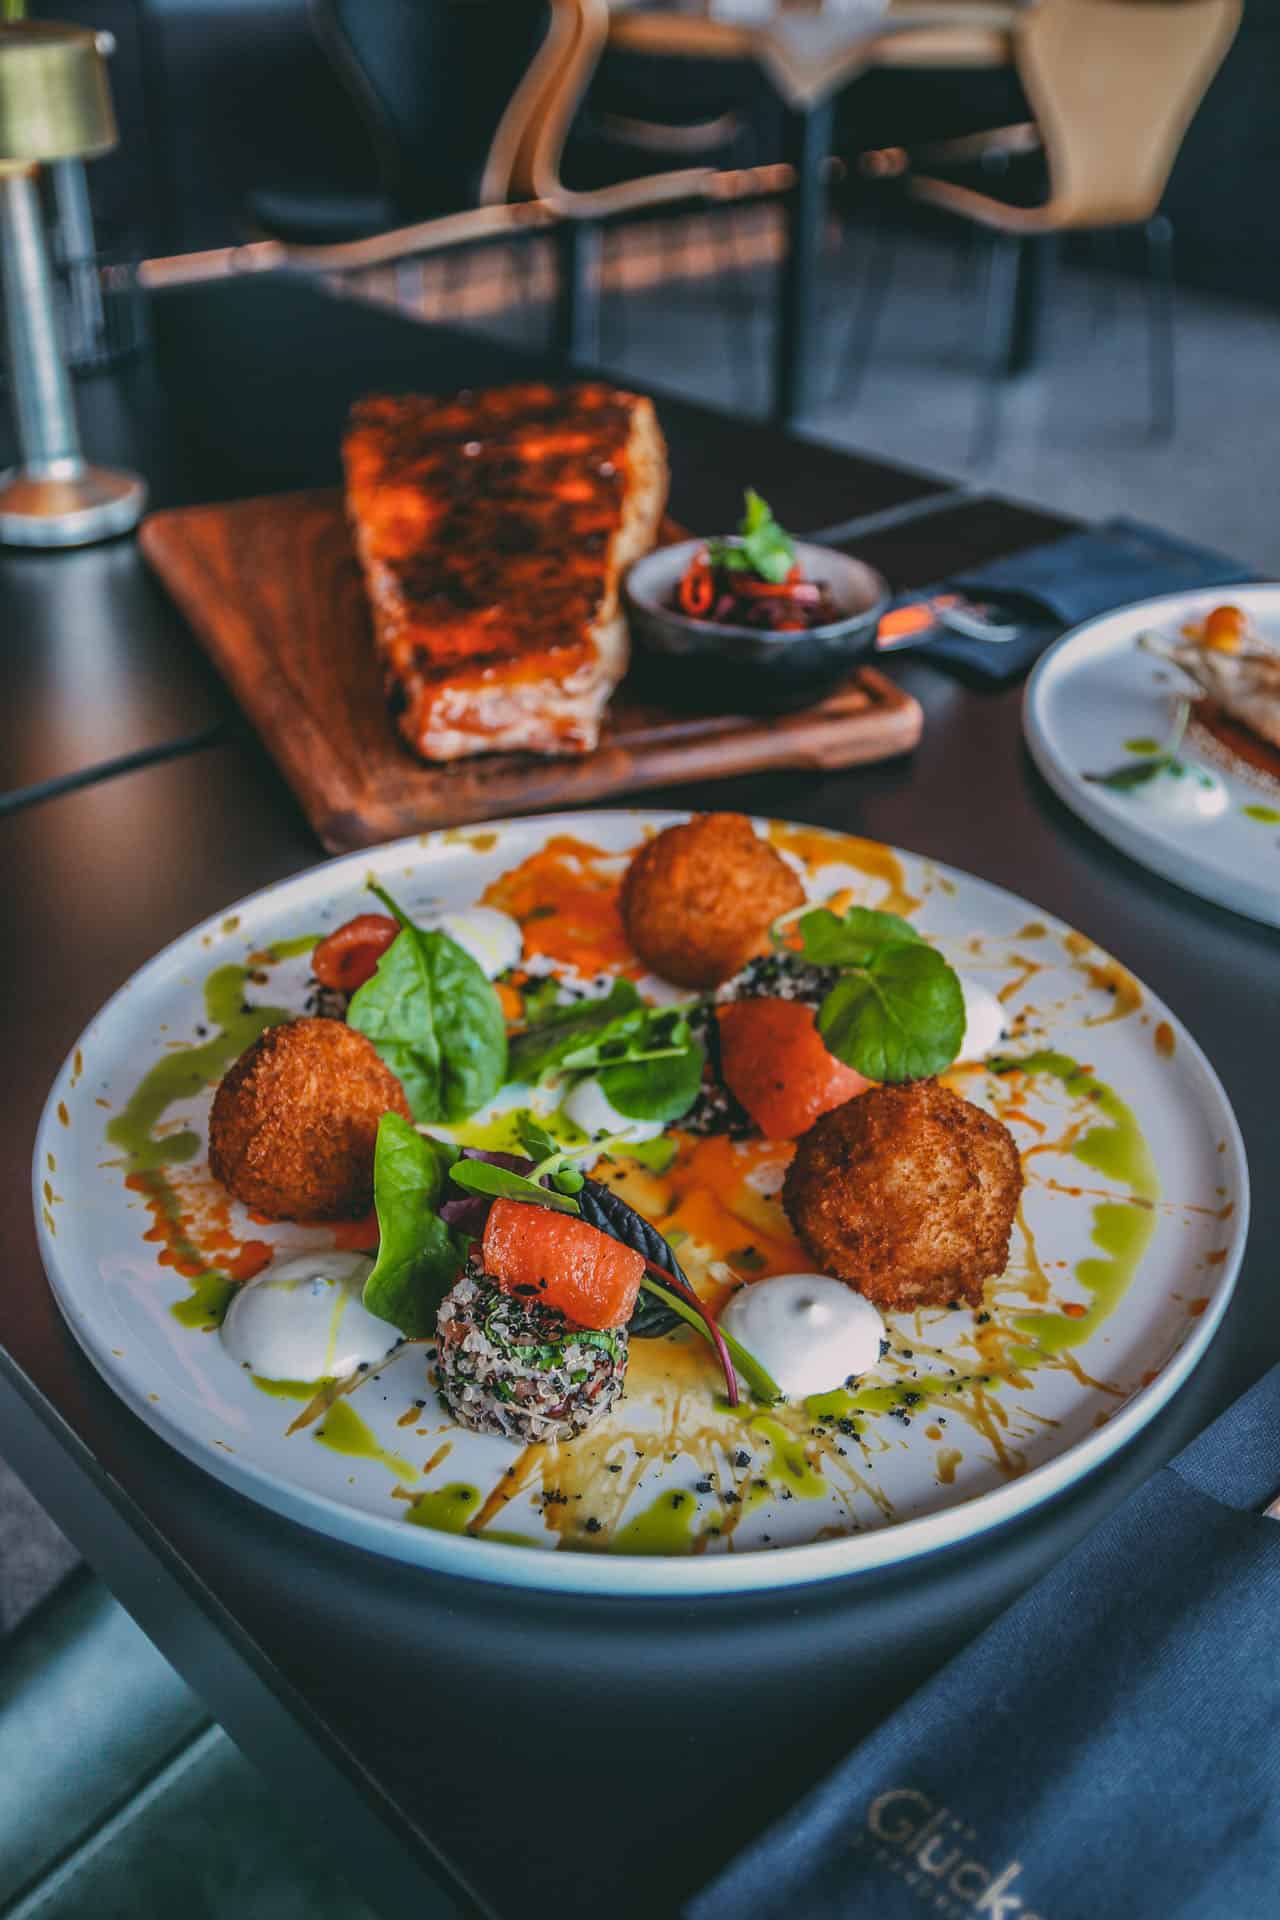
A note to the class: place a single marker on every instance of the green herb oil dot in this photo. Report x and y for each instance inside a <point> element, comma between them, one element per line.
<point>445,1509</point>
<point>343,1431</point>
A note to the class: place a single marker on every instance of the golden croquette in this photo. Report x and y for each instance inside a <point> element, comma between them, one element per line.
<point>908,1193</point>
<point>295,1119</point>
<point>699,899</point>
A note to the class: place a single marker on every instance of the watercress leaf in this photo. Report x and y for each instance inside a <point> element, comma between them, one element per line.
<point>850,939</point>
<point>900,1018</point>
<point>660,1089</point>
<point>540,1049</point>
<point>419,1257</point>
<point>436,1022</point>
<point>481,1176</point>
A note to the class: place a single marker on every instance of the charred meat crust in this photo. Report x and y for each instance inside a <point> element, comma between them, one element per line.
<point>493,531</point>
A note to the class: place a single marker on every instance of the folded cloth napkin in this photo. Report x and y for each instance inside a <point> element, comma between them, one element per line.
<point>1055,586</point>
<point>1109,1747</point>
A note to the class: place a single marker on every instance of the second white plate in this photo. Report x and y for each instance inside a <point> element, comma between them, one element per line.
<point>1095,691</point>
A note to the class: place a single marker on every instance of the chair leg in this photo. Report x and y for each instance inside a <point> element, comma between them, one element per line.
<point>1161,346</point>
<point>869,301</point>
<point>736,309</point>
<point>575,335</point>
<point>1035,264</point>
<point>1001,288</point>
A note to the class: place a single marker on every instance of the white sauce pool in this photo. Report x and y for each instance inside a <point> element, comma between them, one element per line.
<point>983,1019</point>
<point>302,1319</point>
<point>493,939</point>
<point>810,1332</point>
<point>1196,793</point>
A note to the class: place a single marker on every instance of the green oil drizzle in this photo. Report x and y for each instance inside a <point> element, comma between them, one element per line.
<point>1142,743</point>
<point>290,949</point>
<point>505,1538</point>
<point>206,1304</point>
<point>665,1527</point>
<point>446,1509</point>
<point>788,1463</point>
<point>345,1432</point>
<point>1269,816</point>
<point>288,1389</point>
<point>186,1071</point>
<point>1118,1150</point>
<point>1122,1232</point>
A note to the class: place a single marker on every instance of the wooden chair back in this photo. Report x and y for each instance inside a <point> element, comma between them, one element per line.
<point>1113,85</point>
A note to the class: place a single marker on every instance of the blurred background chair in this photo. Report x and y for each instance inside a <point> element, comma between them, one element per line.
<point>626,136</point>
<point>433,81</point>
<point>1110,88</point>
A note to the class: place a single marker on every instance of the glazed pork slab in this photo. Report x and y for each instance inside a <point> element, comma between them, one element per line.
<point>493,530</point>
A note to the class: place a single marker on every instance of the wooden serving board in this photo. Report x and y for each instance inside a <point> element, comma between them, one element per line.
<point>274,592</point>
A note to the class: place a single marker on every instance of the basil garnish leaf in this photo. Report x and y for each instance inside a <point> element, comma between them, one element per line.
<point>899,1017</point>
<point>762,547</point>
<point>435,1021</point>
<point>419,1257</point>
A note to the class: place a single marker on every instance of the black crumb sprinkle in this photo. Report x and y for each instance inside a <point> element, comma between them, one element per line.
<point>591,1523</point>
<point>702,1486</point>
<point>742,1458</point>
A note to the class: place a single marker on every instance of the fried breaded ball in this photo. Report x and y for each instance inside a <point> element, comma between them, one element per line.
<point>699,899</point>
<point>294,1121</point>
<point>908,1193</point>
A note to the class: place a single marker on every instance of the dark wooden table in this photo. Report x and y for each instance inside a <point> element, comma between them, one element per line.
<point>466,1748</point>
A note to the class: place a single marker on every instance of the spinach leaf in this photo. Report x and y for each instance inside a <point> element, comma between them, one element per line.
<point>539,1049</point>
<point>419,1257</point>
<point>435,1021</point>
<point>656,1089</point>
<point>850,939</point>
<point>900,1017</point>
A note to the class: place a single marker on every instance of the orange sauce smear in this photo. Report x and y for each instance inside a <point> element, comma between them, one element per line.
<point>565,898</point>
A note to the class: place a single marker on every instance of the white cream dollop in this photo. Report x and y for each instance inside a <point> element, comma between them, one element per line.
<point>810,1332</point>
<point>1195,793</point>
<point>983,1019</point>
<point>589,1107</point>
<point>303,1319</point>
<point>493,939</point>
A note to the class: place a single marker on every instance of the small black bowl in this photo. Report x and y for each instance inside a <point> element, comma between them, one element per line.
<point>702,664</point>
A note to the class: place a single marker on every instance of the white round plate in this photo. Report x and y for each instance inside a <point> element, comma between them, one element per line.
<point>1122,1265</point>
<point>1094,690</point>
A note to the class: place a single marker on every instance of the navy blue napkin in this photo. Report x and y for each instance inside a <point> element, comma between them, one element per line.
<point>1049,588</point>
<point>1110,1746</point>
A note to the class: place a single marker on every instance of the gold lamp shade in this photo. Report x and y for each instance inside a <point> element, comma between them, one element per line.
<point>54,99</point>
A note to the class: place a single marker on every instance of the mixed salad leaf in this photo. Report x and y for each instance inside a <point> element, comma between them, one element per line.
<point>435,1020</point>
<point>649,1061</point>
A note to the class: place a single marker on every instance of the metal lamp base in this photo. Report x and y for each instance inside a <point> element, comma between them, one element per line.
<point>73,511</point>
